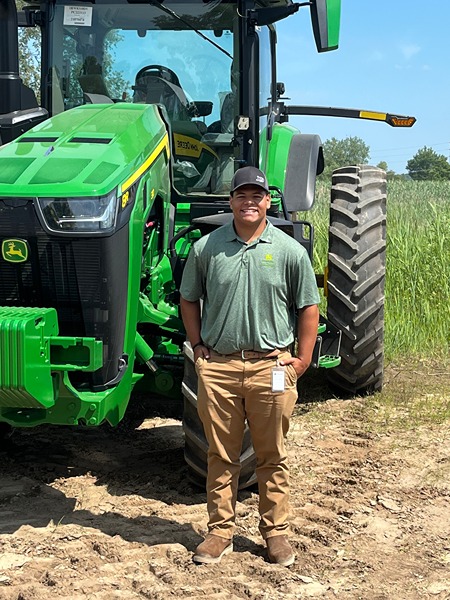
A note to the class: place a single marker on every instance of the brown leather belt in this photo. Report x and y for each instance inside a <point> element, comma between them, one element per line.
<point>253,354</point>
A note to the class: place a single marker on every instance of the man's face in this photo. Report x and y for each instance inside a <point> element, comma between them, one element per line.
<point>249,204</point>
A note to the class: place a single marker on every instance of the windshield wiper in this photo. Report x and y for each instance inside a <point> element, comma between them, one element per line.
<point>169,11</point>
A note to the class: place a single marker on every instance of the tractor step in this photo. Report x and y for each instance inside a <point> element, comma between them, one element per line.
<point>329,361</point>
<point>327,348</point>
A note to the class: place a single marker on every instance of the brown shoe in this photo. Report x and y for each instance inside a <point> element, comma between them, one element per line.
<point>212,549</point>
<point>280,551</point>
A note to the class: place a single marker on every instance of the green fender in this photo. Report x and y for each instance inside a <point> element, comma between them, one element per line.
<point>292,161</point>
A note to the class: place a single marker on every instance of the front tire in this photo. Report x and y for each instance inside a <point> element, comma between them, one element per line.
<point>195,444</point>
<point>356,276</point>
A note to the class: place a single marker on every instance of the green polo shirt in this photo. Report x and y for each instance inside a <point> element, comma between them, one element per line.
<point>250,291</point>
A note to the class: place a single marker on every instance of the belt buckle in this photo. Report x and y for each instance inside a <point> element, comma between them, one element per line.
<point>249,354</point>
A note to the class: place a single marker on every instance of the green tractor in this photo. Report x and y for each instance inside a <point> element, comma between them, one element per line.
<point>146,111</point>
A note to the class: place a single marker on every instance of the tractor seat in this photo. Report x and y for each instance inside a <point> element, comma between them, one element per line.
<point>151,89</point>
<point>91,78</point>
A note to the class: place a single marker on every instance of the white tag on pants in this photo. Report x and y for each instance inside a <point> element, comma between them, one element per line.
<point>278,379</point>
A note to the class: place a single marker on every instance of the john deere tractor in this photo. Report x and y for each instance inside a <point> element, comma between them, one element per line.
<point>146,109</point>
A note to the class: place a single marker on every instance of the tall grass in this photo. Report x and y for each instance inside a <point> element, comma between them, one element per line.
<point>418,268</point>
<point>417,310</point>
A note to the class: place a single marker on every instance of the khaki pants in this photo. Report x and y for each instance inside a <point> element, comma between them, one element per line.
<point>231,391</point>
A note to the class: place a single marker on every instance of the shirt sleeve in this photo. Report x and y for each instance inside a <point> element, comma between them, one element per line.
<point>192,286</point>
<point>304,287</point>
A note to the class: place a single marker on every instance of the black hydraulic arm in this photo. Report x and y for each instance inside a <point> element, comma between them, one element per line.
<point>351,113</point>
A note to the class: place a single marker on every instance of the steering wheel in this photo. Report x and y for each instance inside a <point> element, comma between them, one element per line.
<point>159,71</point>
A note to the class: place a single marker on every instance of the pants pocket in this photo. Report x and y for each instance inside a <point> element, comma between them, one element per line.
<point>291,374</point>
<point>198,363</point>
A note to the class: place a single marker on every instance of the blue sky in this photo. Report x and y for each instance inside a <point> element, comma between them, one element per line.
<point>393,57</point>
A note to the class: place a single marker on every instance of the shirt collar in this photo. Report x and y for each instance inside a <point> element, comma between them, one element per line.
<point>267,234</point>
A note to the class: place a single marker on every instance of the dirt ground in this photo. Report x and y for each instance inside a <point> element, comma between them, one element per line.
<point>108,514</point>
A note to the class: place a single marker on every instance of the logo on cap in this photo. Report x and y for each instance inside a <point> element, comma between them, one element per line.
<point>260,179</point>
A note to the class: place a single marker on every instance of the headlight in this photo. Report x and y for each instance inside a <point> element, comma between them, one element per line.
<point>91,214</point>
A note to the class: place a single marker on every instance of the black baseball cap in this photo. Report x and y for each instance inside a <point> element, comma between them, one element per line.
<point>249,176</point>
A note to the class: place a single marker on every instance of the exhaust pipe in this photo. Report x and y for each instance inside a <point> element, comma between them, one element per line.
<point>10,82</point>
<point>18,106</point>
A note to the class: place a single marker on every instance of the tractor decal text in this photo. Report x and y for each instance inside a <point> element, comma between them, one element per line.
<point>129,196</point>
<point>125,198</point>
<point>187,146</point>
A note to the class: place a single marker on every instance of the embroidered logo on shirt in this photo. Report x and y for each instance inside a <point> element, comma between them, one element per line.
<point>268,260</point>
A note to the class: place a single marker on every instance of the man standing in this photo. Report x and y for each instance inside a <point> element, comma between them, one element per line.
<point>257,286</point>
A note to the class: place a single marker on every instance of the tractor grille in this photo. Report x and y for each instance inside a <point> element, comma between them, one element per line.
<point>84,279</point>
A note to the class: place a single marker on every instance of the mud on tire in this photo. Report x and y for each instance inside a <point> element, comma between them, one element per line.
<point>356,276</point>
<point>195,444</point>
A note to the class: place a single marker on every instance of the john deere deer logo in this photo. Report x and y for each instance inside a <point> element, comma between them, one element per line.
<point>14,251</point>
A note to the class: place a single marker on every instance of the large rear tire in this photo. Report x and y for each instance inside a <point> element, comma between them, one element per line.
<point>195,444</point>
<point>356,276</point>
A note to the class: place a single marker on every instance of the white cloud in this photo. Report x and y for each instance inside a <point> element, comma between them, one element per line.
<point>409,50</point>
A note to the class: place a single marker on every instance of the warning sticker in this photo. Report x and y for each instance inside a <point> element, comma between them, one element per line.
<point>78,15</point>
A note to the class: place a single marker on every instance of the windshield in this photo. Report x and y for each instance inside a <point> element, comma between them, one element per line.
<point>182,56</point>
<point>106,47</point>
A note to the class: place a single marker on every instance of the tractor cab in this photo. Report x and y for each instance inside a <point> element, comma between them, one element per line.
<point>183,57</point>
<point>209,65</point>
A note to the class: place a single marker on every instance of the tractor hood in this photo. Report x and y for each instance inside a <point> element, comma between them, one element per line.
<point>86,151</point>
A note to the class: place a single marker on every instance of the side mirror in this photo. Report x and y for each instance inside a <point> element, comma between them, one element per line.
<point>326,20</point>
<point>202,108</point>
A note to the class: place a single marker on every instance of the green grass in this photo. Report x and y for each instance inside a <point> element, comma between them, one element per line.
<point>415,395</point>
<point>418,269</point>
<point>417,310</point>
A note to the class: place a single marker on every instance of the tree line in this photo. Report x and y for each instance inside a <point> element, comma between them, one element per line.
<point>426,164</point>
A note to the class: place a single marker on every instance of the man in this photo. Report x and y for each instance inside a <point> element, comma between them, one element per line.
<point>252,278</point>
